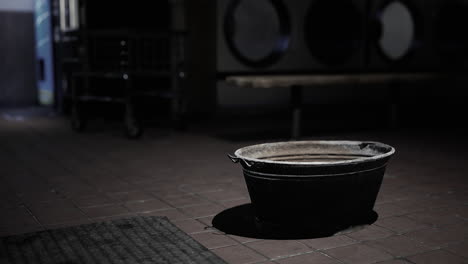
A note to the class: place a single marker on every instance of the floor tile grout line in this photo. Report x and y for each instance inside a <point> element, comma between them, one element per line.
<point>256,251</point>
<point>445,249</point>
<point>84,213</point>
<point>330,256</point>
<point>293,255</point>
<point>396,258</point>
<point>425,252</point>
<point>30,170</point>
<point>218,247</point>
<point>402,233</point>
<point>131,183</point>
<point>216,203</point>
<point>53,159</point>
<point>322,251</point>
<point>261,262</point>
<point>390,253</point>
<point>34,217</point>
<point>29,210</point>
<point>438,247</point>
<point>188,206</point>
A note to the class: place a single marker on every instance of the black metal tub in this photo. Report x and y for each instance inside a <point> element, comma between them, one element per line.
<point>305,183</point>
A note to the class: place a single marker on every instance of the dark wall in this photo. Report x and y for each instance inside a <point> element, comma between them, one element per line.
<point>17,64</point>
<point>201,61</point>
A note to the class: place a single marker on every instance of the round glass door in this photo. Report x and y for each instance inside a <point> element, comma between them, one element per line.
<point>398,28</point>
<point>257,31</point>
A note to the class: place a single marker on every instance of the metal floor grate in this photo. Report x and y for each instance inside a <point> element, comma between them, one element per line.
<point>131,240</point>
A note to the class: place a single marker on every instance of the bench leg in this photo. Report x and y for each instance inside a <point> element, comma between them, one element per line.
<point>393,117</point>
<point>296,105</point>
<point>133,128</point>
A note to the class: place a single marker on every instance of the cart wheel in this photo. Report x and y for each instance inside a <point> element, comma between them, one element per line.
<point>133,129</point>
<point>78,123</point>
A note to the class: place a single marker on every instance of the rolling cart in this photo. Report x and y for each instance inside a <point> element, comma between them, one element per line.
<point>121,66</point>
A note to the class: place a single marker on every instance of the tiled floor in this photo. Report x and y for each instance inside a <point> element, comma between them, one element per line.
<point>51,177</point>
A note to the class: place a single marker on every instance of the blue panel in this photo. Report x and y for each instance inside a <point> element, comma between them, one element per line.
<point>44,51</point>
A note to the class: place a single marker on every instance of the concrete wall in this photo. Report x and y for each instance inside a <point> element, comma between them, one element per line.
<point>17,63</point>
<point>17,5</point>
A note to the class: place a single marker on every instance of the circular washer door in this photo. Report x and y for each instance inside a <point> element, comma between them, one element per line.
<point>397,35</point>
<point>257,32</point>
<point>334,31</point>
<point>451,37</point>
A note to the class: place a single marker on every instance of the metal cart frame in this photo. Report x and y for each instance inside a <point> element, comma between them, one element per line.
<point>133,55</point>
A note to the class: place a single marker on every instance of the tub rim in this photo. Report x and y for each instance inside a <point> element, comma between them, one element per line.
<point>249,160</point>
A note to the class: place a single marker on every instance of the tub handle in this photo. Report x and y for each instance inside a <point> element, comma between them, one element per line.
<point>236,159</point>
<point>233,158</point>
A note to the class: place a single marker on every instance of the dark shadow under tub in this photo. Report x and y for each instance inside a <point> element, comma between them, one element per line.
<point>240,221</point>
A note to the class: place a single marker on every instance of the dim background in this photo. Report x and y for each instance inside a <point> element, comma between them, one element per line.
<point>431,105</point>
<point>150,134</point>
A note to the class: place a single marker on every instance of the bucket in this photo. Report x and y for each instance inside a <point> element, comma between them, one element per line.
<point>313,183</point>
